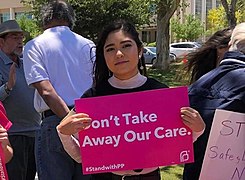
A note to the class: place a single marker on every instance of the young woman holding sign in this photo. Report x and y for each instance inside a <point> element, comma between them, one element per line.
<point>119,68</point>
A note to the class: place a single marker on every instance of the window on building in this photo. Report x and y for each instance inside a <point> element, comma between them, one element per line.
<point>198,8</point>
<point>149,36</point>
<point>144,36</point>
<point>19,14</point>
<point>4,17</point>
<point>218,3</point>
<point>208,5</point>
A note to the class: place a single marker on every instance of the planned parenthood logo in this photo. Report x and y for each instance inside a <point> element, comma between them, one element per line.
<point>184,156</point>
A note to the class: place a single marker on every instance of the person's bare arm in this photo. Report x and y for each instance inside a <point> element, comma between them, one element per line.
<point>69,126</point>
<point>51,98</point>
<point>7,149</point>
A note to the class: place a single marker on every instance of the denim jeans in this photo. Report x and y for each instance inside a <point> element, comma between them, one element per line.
<point>53,163</point>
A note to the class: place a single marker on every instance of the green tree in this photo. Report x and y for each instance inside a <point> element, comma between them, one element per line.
<point>216,20</point>
<point>98,13</point>
<point>92,15</point>
<point>240,14</point>
<point>29,26</point>
<point>177,28</point>
<point>230,9</point>
<point>189,30</point>
<point>165,10</point>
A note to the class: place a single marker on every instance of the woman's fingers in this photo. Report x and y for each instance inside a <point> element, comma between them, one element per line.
<point>74,123</point>
<point>80,115</point>
<point>190,112</point>
<point>82,123</point>
<point>192,119</point>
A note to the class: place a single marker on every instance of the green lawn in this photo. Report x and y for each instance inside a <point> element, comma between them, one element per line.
<point>172,172</point>
<point>172,78</point>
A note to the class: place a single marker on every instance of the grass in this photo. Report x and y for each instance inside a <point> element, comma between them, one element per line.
<point>171,172</point>
<point>172,77</point>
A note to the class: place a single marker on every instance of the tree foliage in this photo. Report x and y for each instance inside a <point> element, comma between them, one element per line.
<point>217,18</point>
<point>240,14</point>
<point>29,26</point>
<point>189,30</point>
<point>92,15</point>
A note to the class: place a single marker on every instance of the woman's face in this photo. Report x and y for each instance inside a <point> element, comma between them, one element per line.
<point>121,55</point>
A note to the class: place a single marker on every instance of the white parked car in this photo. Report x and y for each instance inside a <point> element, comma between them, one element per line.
<point>181,49</point>
<point>151,56</point>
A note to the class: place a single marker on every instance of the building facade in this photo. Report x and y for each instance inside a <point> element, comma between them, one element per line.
<point>199,8</point>
<point>11,9</point>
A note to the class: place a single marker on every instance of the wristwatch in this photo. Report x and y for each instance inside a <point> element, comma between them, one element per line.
<point>7,90</point>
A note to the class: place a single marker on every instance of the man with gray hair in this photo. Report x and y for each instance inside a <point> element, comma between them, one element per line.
<point>17,99</point>
<point>221,88</point>
<point>58,64</point>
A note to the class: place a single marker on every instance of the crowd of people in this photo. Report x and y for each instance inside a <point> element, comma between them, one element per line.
<point>59,66</point>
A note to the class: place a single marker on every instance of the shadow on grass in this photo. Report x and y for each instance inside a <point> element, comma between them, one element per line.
<point>172,77</point>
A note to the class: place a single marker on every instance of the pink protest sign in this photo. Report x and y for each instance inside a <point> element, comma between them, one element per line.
<point>225,150</point>
<point>4,122</point>
<point>3,171</point>
<point>135,130</point>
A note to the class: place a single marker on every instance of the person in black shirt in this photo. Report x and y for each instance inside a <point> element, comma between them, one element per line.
<point>119,68</point>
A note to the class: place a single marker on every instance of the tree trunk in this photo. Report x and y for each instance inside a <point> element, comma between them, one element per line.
<point>165,12</point>
<point>162,44</point>
<point>230,12</point>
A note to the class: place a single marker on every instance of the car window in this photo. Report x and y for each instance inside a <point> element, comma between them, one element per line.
<point>184,45</point>
<point>175,46</point>
<point>153,49</point>
<point>144,51</point>
<point>189,45</point>
<point>179,46</point>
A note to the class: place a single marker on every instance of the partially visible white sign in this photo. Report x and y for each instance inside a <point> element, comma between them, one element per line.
<point>225,153</point>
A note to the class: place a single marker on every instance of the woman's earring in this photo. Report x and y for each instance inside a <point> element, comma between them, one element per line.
<point>141,66</point>
<point>110,74</point>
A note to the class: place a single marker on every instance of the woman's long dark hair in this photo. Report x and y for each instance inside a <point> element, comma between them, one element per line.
<point>101,71</point>
<point>205,59</point>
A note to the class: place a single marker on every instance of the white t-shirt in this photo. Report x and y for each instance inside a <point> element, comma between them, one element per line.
<point>62,57</point>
